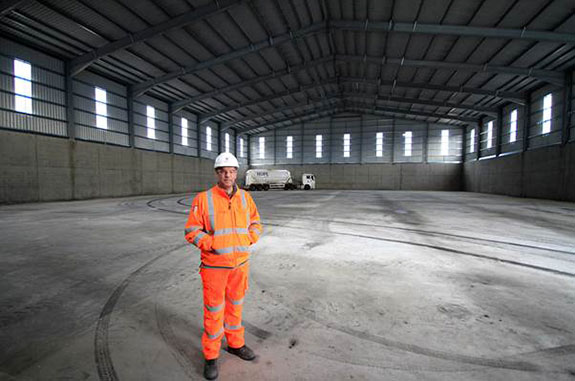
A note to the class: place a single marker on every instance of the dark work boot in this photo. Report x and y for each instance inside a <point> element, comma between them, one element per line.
<point>211,369</point>
<point>244,353</point>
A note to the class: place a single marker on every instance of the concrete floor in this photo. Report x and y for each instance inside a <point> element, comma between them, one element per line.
<point>345,285</point>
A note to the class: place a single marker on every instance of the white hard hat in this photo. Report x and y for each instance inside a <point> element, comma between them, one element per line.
<point>226,159</point>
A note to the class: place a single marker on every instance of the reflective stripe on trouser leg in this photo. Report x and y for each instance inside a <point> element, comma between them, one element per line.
<point>214,288</point>
<point>235,293</point>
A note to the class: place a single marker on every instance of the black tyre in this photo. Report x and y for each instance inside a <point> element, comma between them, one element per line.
<point>259,187</point>
<point>307,187</point>
<point>266,187</point>
<point>253,187</point>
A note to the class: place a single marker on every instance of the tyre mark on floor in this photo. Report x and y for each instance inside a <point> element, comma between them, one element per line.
<point>104,363</point>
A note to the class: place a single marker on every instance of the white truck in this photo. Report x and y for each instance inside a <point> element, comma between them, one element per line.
<point>266,179</point>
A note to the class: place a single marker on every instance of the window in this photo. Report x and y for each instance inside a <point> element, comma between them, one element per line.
<point>444,142</point>
<point>208,138</point>
<point>489,134</point>
<point>379,144</point>
<point>513,127</point>
<point>346,145</point>
<point>407,143</point>
<point>318,146</point>
<point>23,86</point>
<point>241,147</point>
<point>262,147</point>
<point>184,132</point>
<point>101,108</point>
<point>472,141</point>
<point>289,147</point>
<point>227,142</point>
<point>547,108</point>
<point>151,122</point>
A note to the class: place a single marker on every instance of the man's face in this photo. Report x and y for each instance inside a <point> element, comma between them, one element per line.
<point>227,176</point>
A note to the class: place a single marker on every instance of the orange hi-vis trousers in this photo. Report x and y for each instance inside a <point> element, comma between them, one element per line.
<point>224,292</point>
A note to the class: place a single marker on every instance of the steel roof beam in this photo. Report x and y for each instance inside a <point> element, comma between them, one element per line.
<point>393,114</point>
<point>206,117</point>
<point>554,77</point>
<point>412,112</point>
<point>141,88</point>
<point>514,97</point>
<point>331,108</point>
<point>454,30</point>
<point>309,102</point>
<point>492,111</point>
<point>222,90</point>
<point>80,63</point>
<point>7,6</point>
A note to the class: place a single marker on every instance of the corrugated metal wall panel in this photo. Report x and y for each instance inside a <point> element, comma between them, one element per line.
<point>242,157</point>
<point>310,131</point>
<point>340,127</point>
<point>572,134</point>
<point>471,143</point>
<point>371,127</point>
<point>454,144</point>
<point>362,130</point>
<point>507,145</point>
<point>297,145</point>
<point>268,149</point>
<point>401,128</point>
<point>191,149</point>
<point>40,59</point>
<point>487,140</point>
<point>204,152</point>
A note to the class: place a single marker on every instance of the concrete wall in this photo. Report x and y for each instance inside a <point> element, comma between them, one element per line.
<point>404,176</point>
<point>547,172</point>
<point>44,168</point>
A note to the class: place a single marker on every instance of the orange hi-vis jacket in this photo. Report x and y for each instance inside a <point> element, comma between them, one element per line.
<point>223,228</point>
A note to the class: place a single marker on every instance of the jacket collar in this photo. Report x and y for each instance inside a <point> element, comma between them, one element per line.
<point>219,191</point>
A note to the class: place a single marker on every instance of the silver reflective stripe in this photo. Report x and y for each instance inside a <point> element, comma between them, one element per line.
<point>255,231</point>
<point>216,335</point>
<point>244,203</point>
<point>225,250</point>
<point>211,210</point>
<point>231,249</point>
<point>232,327</point>
<point>193,229</point>
<point>236,302</point>
<point>198,238</point>
<point>231,231</point>
<point>216,308</point>
<point>246,207</point>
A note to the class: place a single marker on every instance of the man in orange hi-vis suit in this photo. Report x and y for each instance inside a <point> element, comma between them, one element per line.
<point>223,223</point>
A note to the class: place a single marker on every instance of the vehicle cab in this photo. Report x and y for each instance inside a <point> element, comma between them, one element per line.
<point>308,181</point>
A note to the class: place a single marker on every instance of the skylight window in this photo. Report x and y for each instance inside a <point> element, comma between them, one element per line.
<point>23,86</point>
<point>346,145</point>
<point>101,108</point>
<point>379,144</point>
<point>151,121</point>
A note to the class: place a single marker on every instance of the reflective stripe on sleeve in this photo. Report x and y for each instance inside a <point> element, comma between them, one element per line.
<point>198,238</point>
<point>192,229</point>
<point>211,210</point>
